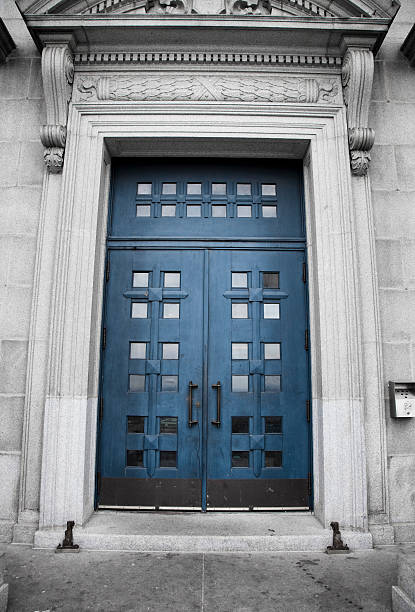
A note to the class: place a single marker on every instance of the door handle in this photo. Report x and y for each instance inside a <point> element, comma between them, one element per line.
<point>218,389</point>
<point>190,421</point>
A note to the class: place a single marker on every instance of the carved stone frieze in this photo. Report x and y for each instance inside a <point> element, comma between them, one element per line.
<point>58,76</point>
<point>248,7</point>
<point>169,7</point>
<point>357,79</point>
<point>206,88</point>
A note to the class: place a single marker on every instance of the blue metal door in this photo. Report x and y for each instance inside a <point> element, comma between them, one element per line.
<point>257,450</point>
<point>204,393</point>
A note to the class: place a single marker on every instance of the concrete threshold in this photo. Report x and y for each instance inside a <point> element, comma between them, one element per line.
<point>196,532</point>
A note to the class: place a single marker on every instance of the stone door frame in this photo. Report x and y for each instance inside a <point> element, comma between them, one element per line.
<point>67,305</point>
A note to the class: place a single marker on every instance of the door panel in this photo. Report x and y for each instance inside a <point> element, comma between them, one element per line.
<point>204,368</point>
<point>154,327</point>
<point>261,364</point>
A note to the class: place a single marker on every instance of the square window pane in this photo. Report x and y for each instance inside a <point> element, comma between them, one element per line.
<point>144,189</point>
<point>138,350</point>
<point>135,424</point>
<point>272,350</point>
<point>239,279</point>
<point>269,211</point>
<point>170,351</point>
<point>193,210</point>
<point>218,188</point>
<point>143,210</point>
<point>168,425</point>
<point>240,383</point>
<point>273,425</point>
<point>137,382</point>
<point>171,311</point>
<point>272,383</point>
<point>169,189</point>
<point>172,279</point>
<point>269,190</point>
<point>240,425</point>
<point>168,210</point>
<point>271,280</point>
<point>168,459</point>
<point>240,459</point>
<point>243,189</point>
<point>135,458</point>
<point>244,211</point>
<point>218,211</point>
<point>169,383</point>
<point>273,459</point>
<point>239,350</point>
<point>239,311</point>
<point>194,188</point>
<point>271,311</point>
<point>140,279</point>
<point>139,310</point>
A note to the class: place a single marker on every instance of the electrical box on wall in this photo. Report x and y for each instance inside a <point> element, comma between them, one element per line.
<point>402,399</point>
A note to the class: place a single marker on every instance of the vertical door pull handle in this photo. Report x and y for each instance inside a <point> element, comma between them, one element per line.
<point>218,389</point>
<point>191,422</point>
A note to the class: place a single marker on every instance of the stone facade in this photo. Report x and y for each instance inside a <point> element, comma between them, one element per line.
<point>393,186</point>
<point>22,172</point>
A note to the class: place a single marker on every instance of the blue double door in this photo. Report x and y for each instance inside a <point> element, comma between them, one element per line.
<point>204,370</point>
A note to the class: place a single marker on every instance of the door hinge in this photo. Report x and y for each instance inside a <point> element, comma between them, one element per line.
<point>101,409</point>
<point>304,272</point>
<point>306,340</point>
<point>309,484</point>
<point>308,411</point>
<point>98,482</point>
<point>107,269</point>
<point>104,338</point>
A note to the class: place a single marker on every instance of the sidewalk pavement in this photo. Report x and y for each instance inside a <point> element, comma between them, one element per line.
<point>40,580</point>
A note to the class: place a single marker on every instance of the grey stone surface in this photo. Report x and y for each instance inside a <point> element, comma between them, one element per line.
<point>403,595</point>
<point>10,473</point>
<point>389,262</point>
<point>11,410</point>
<point>402,469</point>
<point>4,587</point>
<point>300,582</point>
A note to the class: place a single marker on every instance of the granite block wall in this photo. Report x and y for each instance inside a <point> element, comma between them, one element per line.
<point>393,186</point>
<point>21,175</point>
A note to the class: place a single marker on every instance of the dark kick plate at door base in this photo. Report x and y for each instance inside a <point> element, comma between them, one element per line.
<point>284,493</point>
<point>174,492</point>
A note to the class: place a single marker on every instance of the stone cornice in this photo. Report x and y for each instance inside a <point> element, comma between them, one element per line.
<point>6,42</point>
<point>408,47</point>
<point>224,33</point>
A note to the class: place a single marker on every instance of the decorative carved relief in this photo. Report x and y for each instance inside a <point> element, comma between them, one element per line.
<point>169,7</point>
<point>248,7</point>
<point>58,75</point>
<point>206,88</point>
<point>357,79</point>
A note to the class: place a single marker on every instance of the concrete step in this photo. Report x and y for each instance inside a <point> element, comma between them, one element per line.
<point>4,588</point>
<point>202,533</point>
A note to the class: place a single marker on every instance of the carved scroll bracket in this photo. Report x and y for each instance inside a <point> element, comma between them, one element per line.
<point>357,79</point>
<point>58,75</point>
